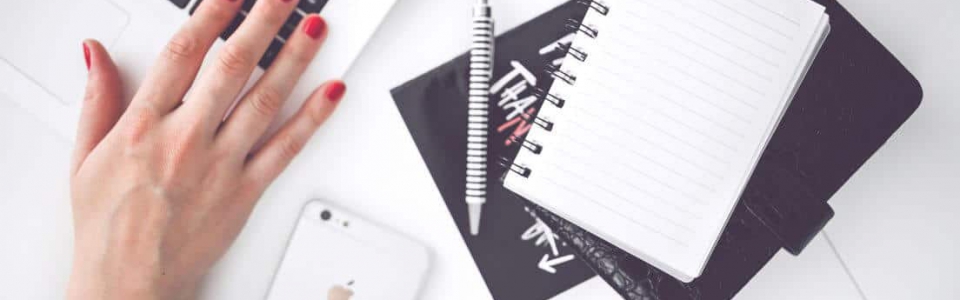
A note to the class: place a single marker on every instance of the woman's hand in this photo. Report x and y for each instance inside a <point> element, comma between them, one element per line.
<point>162,187</point>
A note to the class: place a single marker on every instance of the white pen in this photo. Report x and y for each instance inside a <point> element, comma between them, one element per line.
<point>481,72</point>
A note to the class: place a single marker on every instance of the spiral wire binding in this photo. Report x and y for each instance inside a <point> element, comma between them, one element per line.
<point>557,73</point>
<point>601,8</point>
<point>543,123</point>
<point>532,146</point>
<point>553,99</point>
<point>520,170</point>
<point>576,53</point>
<point>582,28</point>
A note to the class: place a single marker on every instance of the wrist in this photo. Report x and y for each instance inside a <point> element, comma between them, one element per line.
<point>92,287</point>
<point>94,280</point>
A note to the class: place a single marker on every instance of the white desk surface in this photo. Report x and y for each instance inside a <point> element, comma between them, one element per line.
<point>894,237</point>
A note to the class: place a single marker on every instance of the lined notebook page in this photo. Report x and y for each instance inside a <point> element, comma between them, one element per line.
<point>666,120</point>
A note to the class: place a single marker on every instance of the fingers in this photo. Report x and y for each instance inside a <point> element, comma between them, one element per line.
<point>277,153</point>
<point>102,104</point>
<point>258,108</point>
<point>175,70</point>
<point>216,90</point>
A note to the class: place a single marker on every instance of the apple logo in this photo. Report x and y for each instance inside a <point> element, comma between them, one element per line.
<point>339,292</point>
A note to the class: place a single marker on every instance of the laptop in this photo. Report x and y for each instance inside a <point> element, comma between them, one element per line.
<point>41,59</point>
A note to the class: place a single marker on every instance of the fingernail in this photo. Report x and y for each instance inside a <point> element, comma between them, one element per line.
<point>315,26</point>
<point>335,91</point>
<point>86,55</point>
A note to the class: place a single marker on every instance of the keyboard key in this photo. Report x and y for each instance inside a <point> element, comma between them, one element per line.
<point>195,5</point>
<point>290,25</point>
<point>248,5</point>
<point>271,54</point>
<point>294,19</point>
<point>232,27</point>
<point>180,3</point>
<point>312,6</point>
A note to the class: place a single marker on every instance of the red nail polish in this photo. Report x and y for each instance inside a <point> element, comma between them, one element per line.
<point>86,55</point>
<point>335,91</point>
<point>315,26</point>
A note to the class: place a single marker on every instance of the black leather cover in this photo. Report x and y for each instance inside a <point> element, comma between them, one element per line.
<point>854,97</point>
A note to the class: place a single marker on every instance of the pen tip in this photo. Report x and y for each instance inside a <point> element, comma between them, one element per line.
<point>474,211</point>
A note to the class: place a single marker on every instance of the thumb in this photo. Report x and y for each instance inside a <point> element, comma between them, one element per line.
<point>102,103</point>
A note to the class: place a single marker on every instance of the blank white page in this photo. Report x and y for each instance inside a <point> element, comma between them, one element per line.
<point>666,120</point>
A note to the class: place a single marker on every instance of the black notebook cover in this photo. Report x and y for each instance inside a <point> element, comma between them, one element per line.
<point>518,256</point>
<point>854,97</point>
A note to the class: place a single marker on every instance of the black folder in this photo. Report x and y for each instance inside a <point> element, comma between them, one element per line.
<point>854,97</point>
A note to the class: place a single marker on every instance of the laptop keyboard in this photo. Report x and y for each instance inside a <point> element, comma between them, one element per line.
<point>304,8</point>
<point>180,3</point>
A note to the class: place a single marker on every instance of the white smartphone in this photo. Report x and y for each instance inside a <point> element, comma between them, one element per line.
<point>335,255</point>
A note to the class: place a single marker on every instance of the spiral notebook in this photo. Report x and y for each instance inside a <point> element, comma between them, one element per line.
<point>660,112</point>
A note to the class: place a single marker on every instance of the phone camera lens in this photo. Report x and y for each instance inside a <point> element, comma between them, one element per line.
<point>325,215</point>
